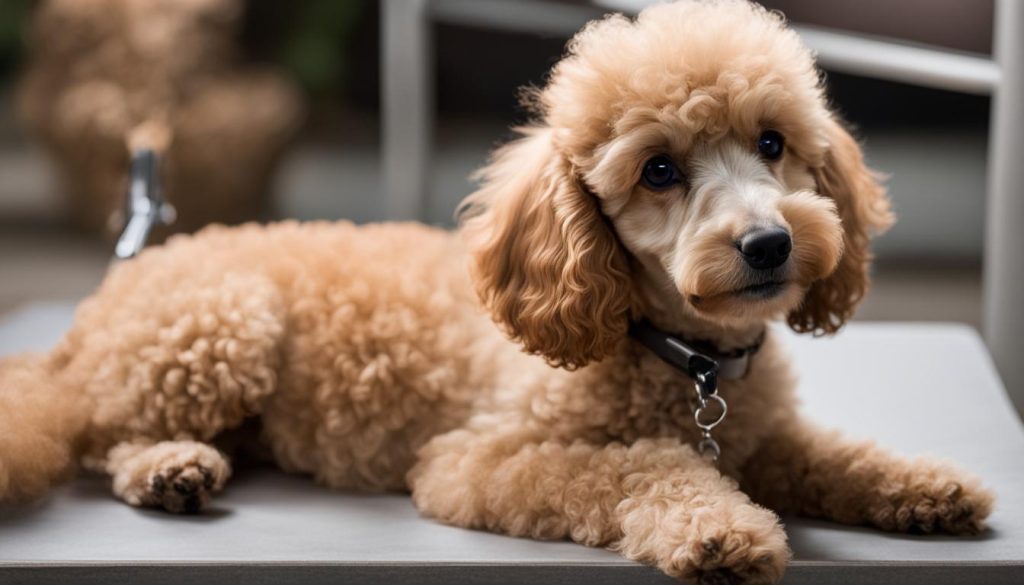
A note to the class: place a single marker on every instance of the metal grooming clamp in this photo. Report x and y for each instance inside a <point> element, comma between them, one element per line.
<point>145,204</point>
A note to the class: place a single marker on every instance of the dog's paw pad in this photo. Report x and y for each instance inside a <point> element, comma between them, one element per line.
<point>711,547</point>
<point>181,489</point>
<point>752,550</point>
<point>176,476</point>
<point>953,510</point>
<point>946,505</point>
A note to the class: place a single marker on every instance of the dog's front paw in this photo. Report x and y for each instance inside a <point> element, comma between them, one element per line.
<point>183,490</point>
<point>937,497</point>
<point>178,476</point>
<point>719,545</point>
<point>738,552</point>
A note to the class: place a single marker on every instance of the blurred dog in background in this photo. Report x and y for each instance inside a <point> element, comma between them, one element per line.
<point>109,76</point>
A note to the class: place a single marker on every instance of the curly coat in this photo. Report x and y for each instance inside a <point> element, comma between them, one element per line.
<point>367,360</point>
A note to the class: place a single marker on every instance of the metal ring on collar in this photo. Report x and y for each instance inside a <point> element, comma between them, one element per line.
<point>697,414</point>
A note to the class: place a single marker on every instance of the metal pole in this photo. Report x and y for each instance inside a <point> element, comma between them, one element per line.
<point>406,96</point>
<point>1004,245</point>
<point>840,51</point>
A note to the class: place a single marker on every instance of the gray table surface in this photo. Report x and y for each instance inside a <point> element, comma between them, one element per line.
<point>919,388</point>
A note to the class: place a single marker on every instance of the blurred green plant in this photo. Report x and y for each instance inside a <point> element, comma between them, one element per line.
<point>315,50</point>
<point>13,18</point>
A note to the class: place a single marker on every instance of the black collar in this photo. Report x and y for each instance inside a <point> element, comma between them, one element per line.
<point>699,359</point>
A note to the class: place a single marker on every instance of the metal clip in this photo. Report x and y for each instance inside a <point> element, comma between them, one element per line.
<point>707,381</point>
<point>706,388</point>
<point>709,448</point>
<point>701,368</point>
<point>145,204</point>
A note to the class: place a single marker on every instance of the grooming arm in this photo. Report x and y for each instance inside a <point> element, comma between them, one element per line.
<point>145,207</point>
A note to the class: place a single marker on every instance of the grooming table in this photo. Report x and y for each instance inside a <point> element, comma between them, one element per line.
<point>919,388</point>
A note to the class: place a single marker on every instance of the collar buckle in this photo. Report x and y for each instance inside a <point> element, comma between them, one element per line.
<point>710,409</point>
<point>699,360</point>
<point>707,381</point>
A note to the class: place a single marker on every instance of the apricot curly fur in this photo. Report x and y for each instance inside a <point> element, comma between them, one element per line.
<point>40,426</point>
<point>545,264</point>
<point>369,357</point>
<point>865,211</point>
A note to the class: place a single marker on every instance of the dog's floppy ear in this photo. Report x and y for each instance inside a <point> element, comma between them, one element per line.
<point>544,260</point>
<point>865,211</point>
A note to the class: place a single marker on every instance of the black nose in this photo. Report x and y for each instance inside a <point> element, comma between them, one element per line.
<point>767,248</point>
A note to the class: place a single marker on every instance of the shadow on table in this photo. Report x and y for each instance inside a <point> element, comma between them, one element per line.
<point>91,488</point>
<point>807,542</point>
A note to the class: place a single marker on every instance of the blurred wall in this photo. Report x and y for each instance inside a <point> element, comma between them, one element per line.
<point>932,143</point>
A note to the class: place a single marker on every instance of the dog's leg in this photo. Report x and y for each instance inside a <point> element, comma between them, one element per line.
<point>161,357</point>
<point>815,473</point>
<point>178,476</point>
<point>655,501</point>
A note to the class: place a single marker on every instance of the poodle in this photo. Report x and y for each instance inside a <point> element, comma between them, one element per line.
<point>108,76</point>
<point>684,180</point>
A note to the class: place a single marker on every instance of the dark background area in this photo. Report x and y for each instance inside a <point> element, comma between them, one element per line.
<point>332,48</point>
<point>932,143</point>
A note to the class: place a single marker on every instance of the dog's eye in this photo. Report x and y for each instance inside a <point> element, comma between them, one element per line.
<point>771,145</point>
<point>660,173</point>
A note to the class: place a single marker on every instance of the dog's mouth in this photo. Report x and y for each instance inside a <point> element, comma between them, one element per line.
<point>763,290</point>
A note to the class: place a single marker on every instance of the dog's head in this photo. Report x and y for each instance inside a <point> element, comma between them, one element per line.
<point>684,163</point>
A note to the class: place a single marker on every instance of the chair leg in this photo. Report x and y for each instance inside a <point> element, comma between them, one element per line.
<point>1004,264</point>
